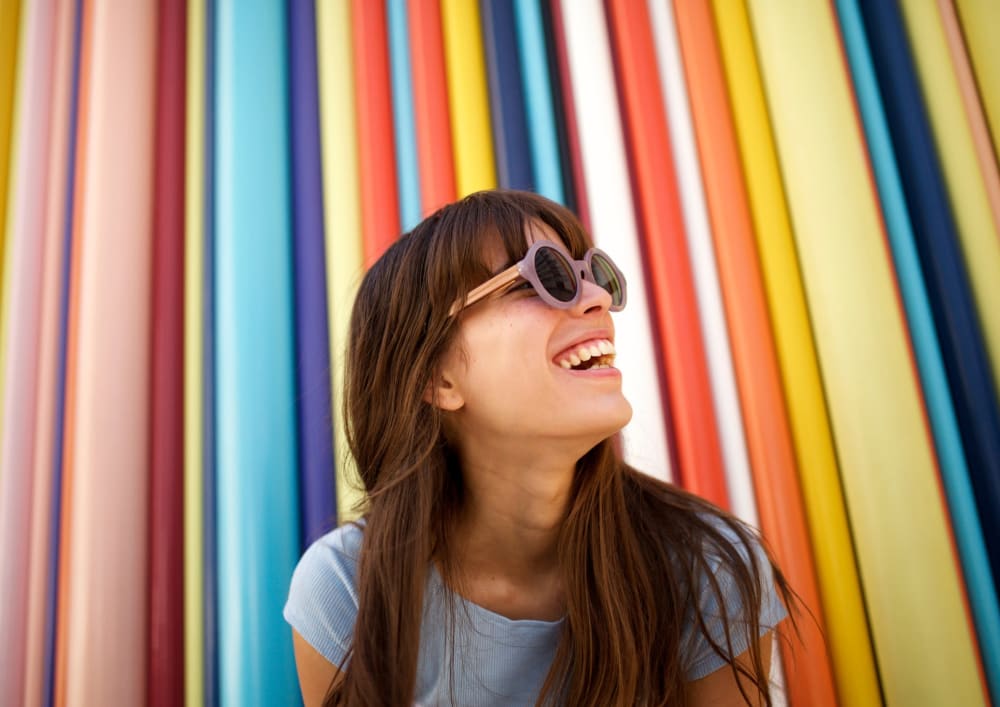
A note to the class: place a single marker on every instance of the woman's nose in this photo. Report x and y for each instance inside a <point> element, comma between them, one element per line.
<point>593,297</point>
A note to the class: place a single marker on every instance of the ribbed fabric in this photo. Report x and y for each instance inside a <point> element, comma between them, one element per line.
<point>494,660</point>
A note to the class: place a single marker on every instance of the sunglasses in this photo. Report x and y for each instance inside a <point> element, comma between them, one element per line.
<point>556,277</point>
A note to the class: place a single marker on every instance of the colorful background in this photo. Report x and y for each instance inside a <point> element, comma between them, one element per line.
<point>804,196</point>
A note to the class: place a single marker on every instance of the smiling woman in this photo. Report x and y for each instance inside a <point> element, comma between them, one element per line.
<point>506,554</point>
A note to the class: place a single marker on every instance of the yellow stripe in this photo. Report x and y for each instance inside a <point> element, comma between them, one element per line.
<point>468,97</point>
<point>980,20</point>
<point>342,218</point>
<point>194,274</point>
<point>9,26</point>
<point>925,653</point>
<point>843,608</point>
<point>957,152</point>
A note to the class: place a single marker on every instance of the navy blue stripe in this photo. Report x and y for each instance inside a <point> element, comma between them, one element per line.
<point>316,465</point>
<point>512,145</point>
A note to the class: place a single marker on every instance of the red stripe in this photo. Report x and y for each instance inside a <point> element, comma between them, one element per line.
<point>376,145</point>
<point>662,228</point>
<point>430,106</point>
<point>768,433</point>
<point>166,502</point>
<point>569,112</point>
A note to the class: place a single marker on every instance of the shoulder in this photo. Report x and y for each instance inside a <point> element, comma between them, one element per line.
<point>734,597</point>
<point>322,599</point>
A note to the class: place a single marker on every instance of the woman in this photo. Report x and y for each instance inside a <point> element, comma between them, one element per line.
<point>506,554</point>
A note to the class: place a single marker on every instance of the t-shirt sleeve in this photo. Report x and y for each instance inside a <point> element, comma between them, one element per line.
<point>700,658</point>
<point>322,599</point>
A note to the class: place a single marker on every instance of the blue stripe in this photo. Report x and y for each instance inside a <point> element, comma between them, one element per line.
<point>510,129</point>
<point>947,438</point>
<point>257,491</point>
<point>404,121</point>
<point>55,520</point>
<point>539,100</point>
<point>318,496</point>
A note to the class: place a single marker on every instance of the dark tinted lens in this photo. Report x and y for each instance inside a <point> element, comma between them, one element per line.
<point>606,277</point>
<point>555,273</point>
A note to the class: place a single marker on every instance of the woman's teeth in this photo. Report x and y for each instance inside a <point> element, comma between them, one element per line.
<point>598,353</point>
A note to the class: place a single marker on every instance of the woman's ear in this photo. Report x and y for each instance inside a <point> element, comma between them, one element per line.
<point>442,393</point>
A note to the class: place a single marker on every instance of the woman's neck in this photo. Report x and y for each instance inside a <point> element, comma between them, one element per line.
<point>506,538</point>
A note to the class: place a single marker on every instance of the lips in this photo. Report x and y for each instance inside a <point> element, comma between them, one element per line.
<point>592,353</point>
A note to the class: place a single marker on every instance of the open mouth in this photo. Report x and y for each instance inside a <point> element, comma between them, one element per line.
<point>596,353</point>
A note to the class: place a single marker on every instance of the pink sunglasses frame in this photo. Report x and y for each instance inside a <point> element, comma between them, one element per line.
<point>525,270</point>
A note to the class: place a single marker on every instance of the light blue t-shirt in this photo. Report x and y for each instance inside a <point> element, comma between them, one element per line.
<point>497,661</point>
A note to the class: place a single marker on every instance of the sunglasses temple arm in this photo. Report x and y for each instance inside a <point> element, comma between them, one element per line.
<point>497,282</point>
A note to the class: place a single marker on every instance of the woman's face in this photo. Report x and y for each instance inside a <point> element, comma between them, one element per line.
<point>507,367</point>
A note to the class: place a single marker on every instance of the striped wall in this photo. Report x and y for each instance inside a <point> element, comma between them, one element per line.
<point>806,200</point>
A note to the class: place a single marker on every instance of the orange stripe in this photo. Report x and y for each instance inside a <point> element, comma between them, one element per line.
<point>662,227</point>
<point>430,106</point>
<point>809,677</point>
<point>376,154</point>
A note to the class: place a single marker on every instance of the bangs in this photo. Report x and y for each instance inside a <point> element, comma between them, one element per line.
<point>467,234</point>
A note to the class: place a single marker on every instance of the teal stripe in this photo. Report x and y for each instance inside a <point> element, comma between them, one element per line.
<point>954,470</point>
<point>257,491</point>
<point>404,122</point>
<point>538,100</point>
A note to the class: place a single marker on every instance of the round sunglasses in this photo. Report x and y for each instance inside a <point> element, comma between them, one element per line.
<point>556,277</point>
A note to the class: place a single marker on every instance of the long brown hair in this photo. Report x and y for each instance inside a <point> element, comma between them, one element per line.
<point>632,549</point>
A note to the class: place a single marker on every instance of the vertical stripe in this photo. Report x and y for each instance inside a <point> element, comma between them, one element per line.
<point>404,127</point>
<point>432,120</point>
<point>914,598</point>
<point>10,12</point>
<point>507,100</point>
<point>166,558</point>
<point>376,158</point>
<point>980,18</point>
<point>666,255</point>
<point>20,340</point>
<point>539,98</point>
<point>57,575</point>
<point>342,214</point>
<point>970,206</point>
<point>210,540</point>
<point>104,535</point>
<point>257,485</point>
<point>988,167</point>
<point>44,488</point>
<point>602,149</point>
<point>468,99</point>
<point>318,499</point>
<point>567,123</point>
<point>195,183</point>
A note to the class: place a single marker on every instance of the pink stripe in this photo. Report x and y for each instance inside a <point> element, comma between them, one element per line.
<point>51,234</point>
<point>102,659</point>
<point>973,107</point>
<point>25,224</point>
